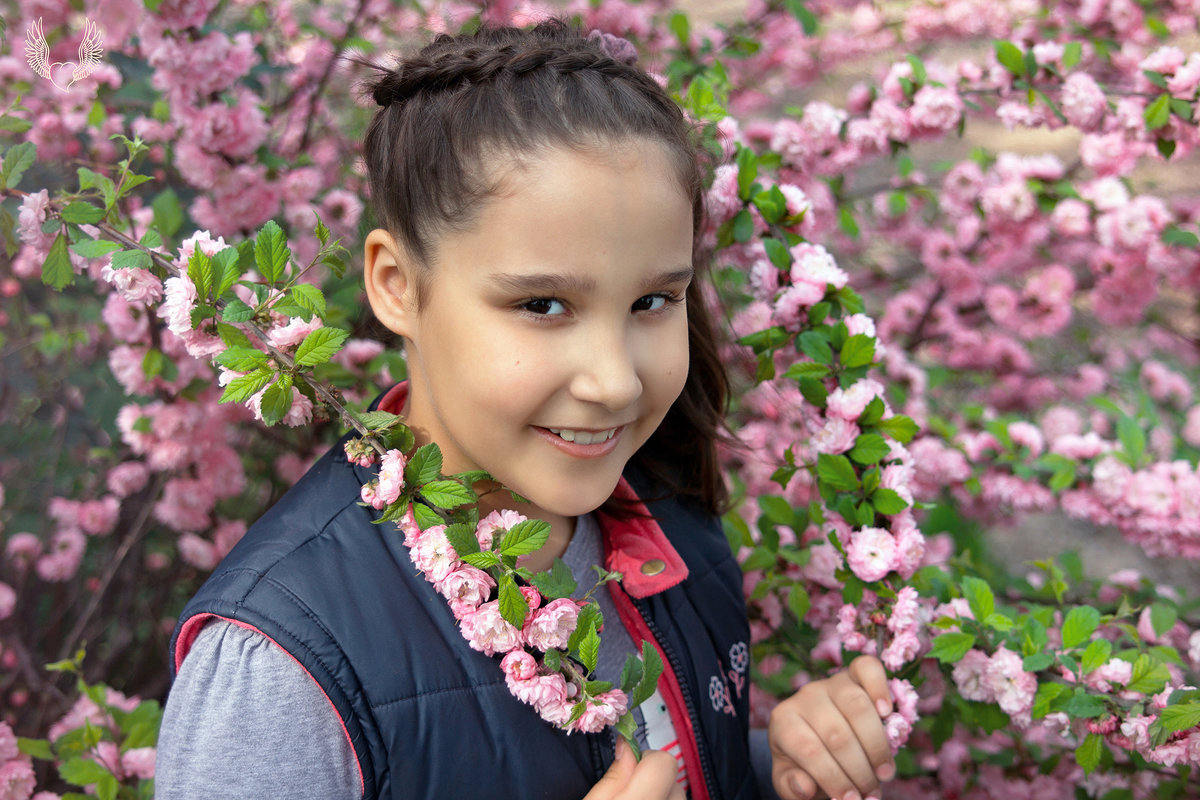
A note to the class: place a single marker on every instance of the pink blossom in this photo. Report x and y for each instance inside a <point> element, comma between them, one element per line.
<point>8,743</point>
<point>62,560</point>
<point>519,666</point>
<point>31,217</point>
<point>901,650</point>
<point>935,109</point>
<point>794,301</point>
<point>466,587</point>
<point>549,627</point>
<point>871,553</point>
<point>139,762</point>
<point>1012,685</point>
<point>970,677</point>
<point>849,404</point>
<point>488,632</point>
<point>601,711</point>
<point>197,552</point>
<point>814,265</point>
<point>98,517</point>
<point>391,476</point>
<point>17,781</point>
<point>127,477</point>
<point>501,520</point>
<point>432,553</point>
<point>138,286</point>
<point>1026,434</point>
<point>1151,492</point>
<point>1109,478</point>
<point>1083,102</point>
<point>836,436</point>
<point>292,333</point>
<point>22,548</point>
<point>1115,670</point>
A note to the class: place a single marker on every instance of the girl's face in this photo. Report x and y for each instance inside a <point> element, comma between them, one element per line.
<point>552,335</point>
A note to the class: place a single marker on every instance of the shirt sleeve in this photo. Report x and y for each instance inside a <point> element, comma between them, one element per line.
<point>244,720</point>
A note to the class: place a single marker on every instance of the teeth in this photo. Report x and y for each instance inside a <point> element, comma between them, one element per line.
<point>584,437</point>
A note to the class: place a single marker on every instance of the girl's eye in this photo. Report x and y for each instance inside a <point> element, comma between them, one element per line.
<point>544,307</point>
<point>655,302</point>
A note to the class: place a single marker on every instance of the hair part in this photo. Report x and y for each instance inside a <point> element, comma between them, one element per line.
<point>463,107</point>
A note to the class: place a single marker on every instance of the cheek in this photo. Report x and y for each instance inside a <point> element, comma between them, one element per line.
<point>670,360</point>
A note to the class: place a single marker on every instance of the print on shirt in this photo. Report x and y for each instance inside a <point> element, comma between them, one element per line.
<point>718,685</point>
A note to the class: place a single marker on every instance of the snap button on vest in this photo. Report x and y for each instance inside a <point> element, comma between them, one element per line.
<point>653,566</point>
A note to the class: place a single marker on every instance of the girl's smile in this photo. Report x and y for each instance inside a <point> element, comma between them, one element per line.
<point>551,336</point>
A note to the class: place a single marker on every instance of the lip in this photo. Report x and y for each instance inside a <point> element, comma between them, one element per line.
<point>577,450</point>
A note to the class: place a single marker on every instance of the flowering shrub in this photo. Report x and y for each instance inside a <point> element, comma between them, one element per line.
<point>931,345</point>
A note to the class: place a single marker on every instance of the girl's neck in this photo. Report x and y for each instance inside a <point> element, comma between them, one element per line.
<point>561,528</point>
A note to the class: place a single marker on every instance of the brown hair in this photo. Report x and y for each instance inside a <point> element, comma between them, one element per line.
<point>453,107</point>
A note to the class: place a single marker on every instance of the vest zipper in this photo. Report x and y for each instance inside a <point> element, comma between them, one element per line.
<point>676,667</point>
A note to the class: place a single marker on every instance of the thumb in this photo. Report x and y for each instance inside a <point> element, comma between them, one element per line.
<point>618,775</point>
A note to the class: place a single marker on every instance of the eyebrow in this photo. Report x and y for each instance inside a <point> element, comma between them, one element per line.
<point>559,283</point>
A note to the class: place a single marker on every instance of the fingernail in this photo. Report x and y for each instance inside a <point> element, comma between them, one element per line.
<point>884,707</point>
<point>797,789</point>
<point>852,795</point>
<point>886,771</point>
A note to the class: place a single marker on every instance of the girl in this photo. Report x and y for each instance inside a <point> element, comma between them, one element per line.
<point>541,199</point>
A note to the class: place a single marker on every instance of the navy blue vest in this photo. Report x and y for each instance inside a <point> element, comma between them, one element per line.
<point>429,717</point>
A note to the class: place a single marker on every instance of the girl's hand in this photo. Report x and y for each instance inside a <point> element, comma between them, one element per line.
<point>652,778</point>
<point>829,736</point>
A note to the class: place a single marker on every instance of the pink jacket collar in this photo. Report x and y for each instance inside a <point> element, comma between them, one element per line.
<point>635,546</point>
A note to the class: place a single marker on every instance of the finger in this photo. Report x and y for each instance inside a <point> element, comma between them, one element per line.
<point>869,737</point>
<point>618,776</point>
<point>654,777</point>
<point>868,672</point>
<point>822,743</point>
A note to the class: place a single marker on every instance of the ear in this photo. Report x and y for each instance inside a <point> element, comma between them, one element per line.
<point>390,277</point>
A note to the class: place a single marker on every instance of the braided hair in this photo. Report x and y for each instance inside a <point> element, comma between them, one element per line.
<point>464,106</point>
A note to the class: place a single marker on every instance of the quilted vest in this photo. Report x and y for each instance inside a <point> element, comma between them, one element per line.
<point>427,716</point>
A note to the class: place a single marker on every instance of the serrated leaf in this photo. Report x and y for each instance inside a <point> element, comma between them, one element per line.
<point>1148,676</point>
<point>321,232</point>
<point>778,253</point>
<point>1087,755</point>
<point>979,597</point>
<point>81,213</point>
<point>447,494</point>
<point>484,559</point>
<point>859,351</point>
<point>799,602</point>
<point>806,369</point>
<point>319,346</point>
<point>816,346</point>
<point>1179,718</point>
<point>308,297</point>
<point>1080,624</point>
<point>38,748</point>
<point>17,159</point>
<point>241,389</point>
<point>1096,655</point>
<point>126,259</point>
<point>747,164</point>
<point>1010,57</point>
<point>525,537</point>
<point>743,226</point>
<point>557,582</point>
<point>1158,113</point>
<point>1082,705</point>
<point>424,466</point>
<point>225,270</point>
<point>899,427</point>
<point>652,668</point>
<point>888,501</point>
<point>242,359</point>
<point>462,539</point>
<point>589,650</point>
<point>837,472</point>
<point>631,673</point>
<point>378,420</point>
<point>82,771</point>
<point>949,648</point>
<point>94,248</point>
<point>1044,698</point>
<point>271,252</point>
<point>1162,618</point>
<point>236,311</point>
<point>869,448</point>
<point>512,603</point>
<point>15,124</point>
<point>1037,662</point>
<point>277,400</point>
<point>168,213</point>
<point>200,270</point>
<point>57,271</point>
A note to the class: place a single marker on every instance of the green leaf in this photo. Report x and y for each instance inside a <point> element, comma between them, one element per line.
<point>652,668</point>
<point>447,494</point>
<point>319,346</point>
<point>589,650</point>
<point>798,602</point>
<point>1148,677</point>
<point>899,427</point>
<point>225,270</point>
<point>631,673</point>
<point>94,248</point>
<point>1037,662</point>
<point>1045,696</point>
<point>462,538</point>
<point>168,213</point>
<point>949,648</point>
<point>1158,113</point>
<point>1087,755</point>
<point>126,259</point>
<point>557,582</point>
<point>82,771</point>
<point>512,603</point>
<point>869,448</point>
<point>106,788</point>
<point>242,359</point>
<point>57,271</point>
<point>1010,57</point>
<point>82,213</point>
<point>236,311</point>
<point>837,472</point>
<point>424,466</point>
<point>747,163</point>
<point>308,297</point>
<point>241,389</point>
<point>778,252</point>
<point>1080,624</point>
<point>525,537</point>
<point>888,501</point>
<point>743,226</point>
<point>38,748</point>
<point>1178,718</point>
<point>590,618</point>
<point>484,559</point>
<point>271,252</point>
<point>277,400</point>
<point>816,346</point>
<point>680,26</point>
<point>807,19</point>
<point>1162,617</point>
<point>1096,655</point>
<point>200,270</point>
<point>859,351</point>
<point>806,369</point>
<point>17,159</point>
<point>1072,55</point>
<point>814,391</point>
<point>15,124</point>
<point>1084,706</point>
<point>979,597</point>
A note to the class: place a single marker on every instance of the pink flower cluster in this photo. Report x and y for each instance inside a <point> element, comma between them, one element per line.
<point>386,489</point>
<point>999,678</point>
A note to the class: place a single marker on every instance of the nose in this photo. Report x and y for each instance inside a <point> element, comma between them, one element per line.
<point>607,371</point>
